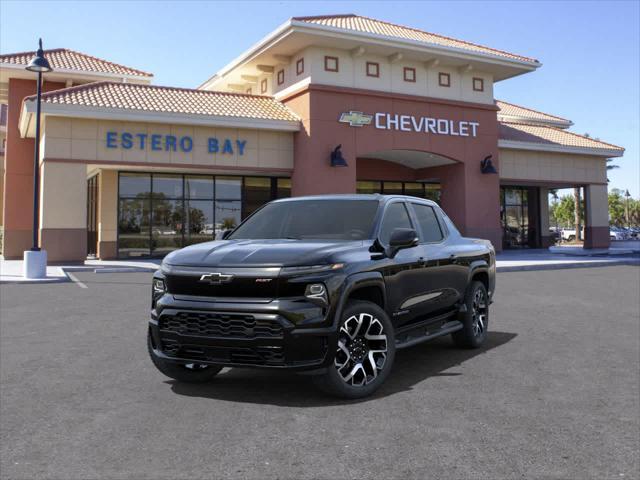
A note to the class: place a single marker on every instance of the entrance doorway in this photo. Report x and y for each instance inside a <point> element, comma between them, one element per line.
<point>92,216</point>
<point>519,215</point>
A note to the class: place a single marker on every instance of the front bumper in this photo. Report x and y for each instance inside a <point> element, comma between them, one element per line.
<point>285,334</point>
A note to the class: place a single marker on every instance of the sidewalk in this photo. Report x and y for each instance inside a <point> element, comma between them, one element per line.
<point>11,270</point>
<point>544,259</point>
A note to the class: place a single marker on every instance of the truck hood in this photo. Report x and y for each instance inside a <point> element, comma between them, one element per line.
<point>260,253</point>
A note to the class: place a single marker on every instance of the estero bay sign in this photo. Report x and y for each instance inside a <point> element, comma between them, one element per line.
<point>171,143</point>
<point>411,123</point>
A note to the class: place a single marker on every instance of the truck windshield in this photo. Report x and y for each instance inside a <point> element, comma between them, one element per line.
<point>311,219</point>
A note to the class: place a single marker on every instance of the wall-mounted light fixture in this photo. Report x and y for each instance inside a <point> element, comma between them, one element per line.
<point>486,166</point>
<point>337,160</point>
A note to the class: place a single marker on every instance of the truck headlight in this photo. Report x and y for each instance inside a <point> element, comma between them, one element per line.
<point>158,286</point>
<point>317,293</point>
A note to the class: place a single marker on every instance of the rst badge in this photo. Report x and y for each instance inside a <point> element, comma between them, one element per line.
<point>216,278</point>
<point>356,119</point>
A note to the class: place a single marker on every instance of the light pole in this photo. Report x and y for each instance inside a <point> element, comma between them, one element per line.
<point>35,260</point>
<point>626,208</point>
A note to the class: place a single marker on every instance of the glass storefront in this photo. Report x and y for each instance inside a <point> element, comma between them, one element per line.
<point>430,191</point>
<point>519,217</point>
<point>158,213</point>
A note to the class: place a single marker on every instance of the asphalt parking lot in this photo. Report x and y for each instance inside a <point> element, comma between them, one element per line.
<point>554,394</point>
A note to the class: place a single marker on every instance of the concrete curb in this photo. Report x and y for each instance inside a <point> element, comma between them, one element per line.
<point>567,266</point>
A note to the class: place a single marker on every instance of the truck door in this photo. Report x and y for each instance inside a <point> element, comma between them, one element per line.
<point>402,273</point>
<point>440,272</point>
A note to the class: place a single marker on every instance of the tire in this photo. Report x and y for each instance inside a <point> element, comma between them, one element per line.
<point>475,321</point>
<point>571,238</point>
<point>363,358</point>
<point>186,373</point>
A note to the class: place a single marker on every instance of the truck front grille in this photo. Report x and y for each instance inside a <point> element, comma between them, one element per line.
<point>205,324</point>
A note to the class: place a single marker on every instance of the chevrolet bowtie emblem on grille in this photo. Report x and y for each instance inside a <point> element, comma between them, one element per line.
<point>215,278</point>
<point>356,119</point>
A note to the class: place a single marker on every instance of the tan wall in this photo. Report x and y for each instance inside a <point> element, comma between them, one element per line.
<point>552,167</point>
<point>352,73</point>
<point>598,201</point>
<point>63,195</point>
<point>108,206</point>
<point>80,139</point>
<point>63,211</point>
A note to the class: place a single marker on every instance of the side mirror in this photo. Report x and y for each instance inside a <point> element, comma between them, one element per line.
<point>402,238</point>
<point>223,234</point>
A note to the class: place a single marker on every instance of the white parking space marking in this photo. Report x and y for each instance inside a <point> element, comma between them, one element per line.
<point>75,280</point>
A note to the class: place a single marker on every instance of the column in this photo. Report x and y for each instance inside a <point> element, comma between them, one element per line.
<point>107,214</point>
<point>63,211</point>
<point>596,216</point>
<point>546,240</point>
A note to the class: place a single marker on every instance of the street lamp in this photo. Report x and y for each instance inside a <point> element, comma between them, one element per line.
<point>35,260</point>
<point>626,208</point>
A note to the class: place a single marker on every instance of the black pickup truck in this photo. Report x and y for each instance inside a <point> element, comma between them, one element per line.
<point>329,285</point>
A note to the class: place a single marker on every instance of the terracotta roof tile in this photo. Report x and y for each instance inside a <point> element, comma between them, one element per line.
<point>65,59</point>
<point>152,98</point>
<point>379,27</point>
<point>517,132</point>
<point>513,110</point>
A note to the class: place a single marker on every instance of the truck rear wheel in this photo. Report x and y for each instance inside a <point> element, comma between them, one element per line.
<point>187,373</point>
<point>475,320</point>
<point>364,354</point>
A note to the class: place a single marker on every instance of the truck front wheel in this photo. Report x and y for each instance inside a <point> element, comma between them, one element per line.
<point>364,354</point>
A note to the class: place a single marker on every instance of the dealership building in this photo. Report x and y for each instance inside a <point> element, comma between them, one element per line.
<point>330,104</point>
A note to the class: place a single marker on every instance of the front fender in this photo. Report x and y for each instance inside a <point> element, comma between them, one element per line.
<point>353,283</point>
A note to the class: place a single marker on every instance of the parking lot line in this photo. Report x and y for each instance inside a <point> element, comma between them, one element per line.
<point>75,280</point>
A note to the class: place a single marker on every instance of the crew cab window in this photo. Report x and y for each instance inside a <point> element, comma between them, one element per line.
<point>428,223</point>
<point>395,216</point>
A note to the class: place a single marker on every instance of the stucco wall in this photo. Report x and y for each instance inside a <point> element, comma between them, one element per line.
<point>352,73</point>
<point>85,140</point>
<point>551,167</point>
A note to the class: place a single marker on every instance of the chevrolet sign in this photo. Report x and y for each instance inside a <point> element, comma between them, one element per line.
<point>355,119</point>
<point>410,123</point>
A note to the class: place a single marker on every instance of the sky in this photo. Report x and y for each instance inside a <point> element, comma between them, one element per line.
<point>590,51</point>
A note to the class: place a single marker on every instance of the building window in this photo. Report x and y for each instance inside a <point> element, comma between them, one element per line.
<point>300,66</point>
<point>430,191</point>
<point>263,86</point>
<point>478,84</point>
<point>158,213</point>
<point>331,64</point>
<point>444,79</point>
<point>248,91</point>
<point>280,77</point>
<point>373,69</point>
<point>409,74</point>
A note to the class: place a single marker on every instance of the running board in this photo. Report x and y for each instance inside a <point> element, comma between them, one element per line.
<point>421,334</point>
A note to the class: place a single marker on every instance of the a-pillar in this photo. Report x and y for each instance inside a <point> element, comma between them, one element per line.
<point>63,211</point>
<point>546,240</point>
<point>107,214</point>
<point>596,216</point>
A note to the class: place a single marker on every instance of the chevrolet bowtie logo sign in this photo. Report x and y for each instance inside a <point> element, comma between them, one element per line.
<point>356,119</point>
<point>215,278</point>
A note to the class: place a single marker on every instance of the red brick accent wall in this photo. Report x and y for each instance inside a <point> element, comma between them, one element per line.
<point>18,178</point>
